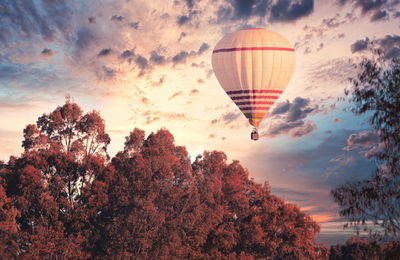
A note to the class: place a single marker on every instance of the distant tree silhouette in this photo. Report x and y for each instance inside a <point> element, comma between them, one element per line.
<point>356,248</point>
<point>63,198</point>
<point>376,92</point>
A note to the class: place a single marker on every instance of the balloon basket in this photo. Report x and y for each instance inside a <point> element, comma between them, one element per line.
<point>254,134</point>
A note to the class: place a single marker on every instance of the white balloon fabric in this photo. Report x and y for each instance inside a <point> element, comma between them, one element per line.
<point>254,67</point>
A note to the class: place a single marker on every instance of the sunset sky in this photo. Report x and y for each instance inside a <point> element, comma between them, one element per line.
<point>147,64</point>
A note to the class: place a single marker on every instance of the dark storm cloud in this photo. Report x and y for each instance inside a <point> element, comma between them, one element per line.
<point>104,52</point>
<point>379,15</point>
<point>289,118</point>
<point>28,18</point>
<point>285,10</point>
<point>156,58</point>
<point>359,45</point>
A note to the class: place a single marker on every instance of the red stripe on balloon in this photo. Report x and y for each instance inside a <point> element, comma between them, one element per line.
<point>247,91</point>
<point>255,103</point>
<point>254,49</point>
<point>254,97</point>
<point>254,108</point>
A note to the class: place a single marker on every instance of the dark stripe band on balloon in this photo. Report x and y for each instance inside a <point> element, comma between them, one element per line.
<point>254,108</point>
<point>247,91</point>
<point>254,49</point>
<point>255,103</point>
<point>254,97</point>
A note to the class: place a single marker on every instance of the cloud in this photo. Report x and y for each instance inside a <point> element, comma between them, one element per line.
<point>366,5</point>
<point>359,45</point>
<point>180,57</point>
<point>179,93</point>
<point>105,73</point>
<point>28,18</point>
<point>389,45</point>
<point>104,52</point>
<point>152,116</point>
<point>230,117</point>
<point>275,11</point>
<point>362,139</point>
<point>286,11</point>
<point>367,141</point>
<point>84,37</point>
<point>156,58</point>
<point>117,18</point>
<point>134,25</point>
<point>127,54</point>
<point>204,46</point>
<point>142,62</point>
<point>47,52</point>
<point>289,118</point>
<point>194,91</point>
<point>379,15</point>
<point>182,20</point>
<point>293,129</point>
<point>369,5</point>
<point>185,19</point>
<point>294,111</point>
<point>227,118</point>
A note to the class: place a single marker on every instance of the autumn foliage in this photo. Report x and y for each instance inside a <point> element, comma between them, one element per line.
<point>65,198</point>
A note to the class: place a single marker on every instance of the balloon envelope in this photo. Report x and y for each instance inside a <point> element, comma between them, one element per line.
<point>253,66</point>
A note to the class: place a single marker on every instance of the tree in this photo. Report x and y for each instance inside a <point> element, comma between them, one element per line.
<point>8,224</point>
<point>376,92</point>
<point>64,198</point>
<point>356,249</point>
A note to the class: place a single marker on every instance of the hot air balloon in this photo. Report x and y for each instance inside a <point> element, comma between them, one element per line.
<point>254,67</point>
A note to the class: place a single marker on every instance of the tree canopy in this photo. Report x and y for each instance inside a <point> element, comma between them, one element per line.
<point>65,198</point>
